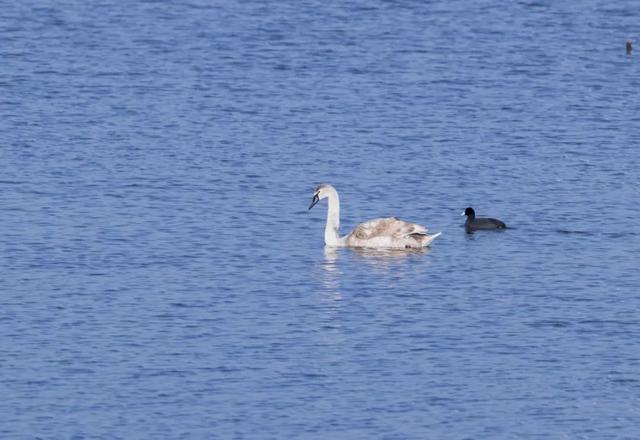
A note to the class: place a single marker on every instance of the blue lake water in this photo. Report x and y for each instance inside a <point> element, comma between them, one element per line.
<point>161,276</point>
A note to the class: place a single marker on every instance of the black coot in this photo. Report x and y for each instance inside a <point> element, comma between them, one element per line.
<point>474,224</point>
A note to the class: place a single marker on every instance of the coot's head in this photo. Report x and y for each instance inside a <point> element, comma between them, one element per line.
<point>469,212</point>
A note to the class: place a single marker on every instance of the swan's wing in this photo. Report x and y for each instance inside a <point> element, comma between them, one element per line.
<point>387,227</point>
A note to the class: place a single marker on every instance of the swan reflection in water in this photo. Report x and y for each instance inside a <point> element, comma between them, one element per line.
<point>382,259</point>
<point>385,262</point>
<point>331,275</point>
<point>330,268</point>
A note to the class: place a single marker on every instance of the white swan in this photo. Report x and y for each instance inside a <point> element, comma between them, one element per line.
<point>379,233</point>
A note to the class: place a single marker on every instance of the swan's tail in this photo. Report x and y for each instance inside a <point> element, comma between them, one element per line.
<point>426,241</point>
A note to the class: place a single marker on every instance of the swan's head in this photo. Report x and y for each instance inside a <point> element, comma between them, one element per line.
<point>321,192</point>
<point>469,212</point>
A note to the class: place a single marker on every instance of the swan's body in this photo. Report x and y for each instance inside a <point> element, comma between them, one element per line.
<point>378,233</point>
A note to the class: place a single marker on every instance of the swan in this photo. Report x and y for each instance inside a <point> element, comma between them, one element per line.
<point>379,233</point>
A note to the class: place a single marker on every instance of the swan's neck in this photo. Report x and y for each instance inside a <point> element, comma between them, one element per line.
<point>331,234</point>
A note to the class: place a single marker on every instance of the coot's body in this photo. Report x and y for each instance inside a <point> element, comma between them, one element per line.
<point>475,224</point>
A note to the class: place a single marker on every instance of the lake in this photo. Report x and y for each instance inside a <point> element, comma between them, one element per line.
<point>162,276</point>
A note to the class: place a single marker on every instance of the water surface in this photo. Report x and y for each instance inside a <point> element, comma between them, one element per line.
<point>162,277</point>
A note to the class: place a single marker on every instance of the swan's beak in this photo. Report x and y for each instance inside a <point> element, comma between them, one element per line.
<point>315,200</point>
<point>462,213</point>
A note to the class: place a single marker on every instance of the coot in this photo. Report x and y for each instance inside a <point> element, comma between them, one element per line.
<point>473,223</point>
